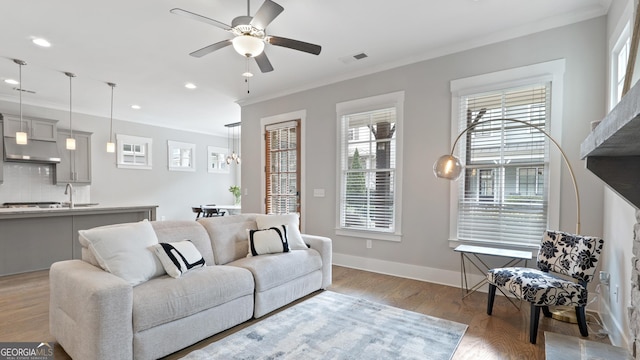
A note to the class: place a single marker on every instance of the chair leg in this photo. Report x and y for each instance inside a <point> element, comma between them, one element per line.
<point>492,295</point>
<point>546,312</point>
<point>533,323</point>
<point>582,320</point>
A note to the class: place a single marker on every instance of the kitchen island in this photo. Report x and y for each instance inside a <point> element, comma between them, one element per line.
<point>34,238</point>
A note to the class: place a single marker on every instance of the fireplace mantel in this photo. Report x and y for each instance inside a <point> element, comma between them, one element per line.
<point>612,149</point>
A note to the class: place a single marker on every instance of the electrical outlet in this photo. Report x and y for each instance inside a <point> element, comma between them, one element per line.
<point>369,244</point>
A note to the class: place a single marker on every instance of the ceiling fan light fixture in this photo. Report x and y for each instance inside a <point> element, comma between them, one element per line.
<point>247,74</point>
<point>247,45</point>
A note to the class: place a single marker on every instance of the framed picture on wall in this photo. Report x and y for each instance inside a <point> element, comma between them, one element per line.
<point>216,160</point>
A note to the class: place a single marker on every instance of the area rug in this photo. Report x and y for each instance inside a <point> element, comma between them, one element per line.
<point>335,326</point>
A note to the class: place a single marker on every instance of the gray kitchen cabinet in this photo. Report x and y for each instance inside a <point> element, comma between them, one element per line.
<point>33,239</point>
<point>36,129</point>
<point>75,165</point>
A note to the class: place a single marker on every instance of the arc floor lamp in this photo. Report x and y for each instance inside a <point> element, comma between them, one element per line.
<point>449,166</point>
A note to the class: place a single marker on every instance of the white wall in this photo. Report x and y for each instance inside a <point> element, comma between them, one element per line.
<point>173,191</point>
<point>424,251</point>
<point>618,219</point>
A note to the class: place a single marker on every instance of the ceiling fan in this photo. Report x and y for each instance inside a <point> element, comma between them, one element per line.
<point>250,34</point>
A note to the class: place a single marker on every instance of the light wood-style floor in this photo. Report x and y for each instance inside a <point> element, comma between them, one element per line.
<point>24,311</point>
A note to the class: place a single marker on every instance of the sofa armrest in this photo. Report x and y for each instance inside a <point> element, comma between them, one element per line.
<point>322,245</point>
<point>90,312</point>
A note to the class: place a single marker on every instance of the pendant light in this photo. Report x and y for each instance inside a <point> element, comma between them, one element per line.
<point>21,136</point>
<point>111,146</point>
<point>233,157</point>
<point>71,141</point>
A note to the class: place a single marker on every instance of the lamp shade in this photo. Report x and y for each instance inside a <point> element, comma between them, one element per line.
<point>448,167</point>
<point>249,46</point>
<point>21,138</point>
<point>111,147</point>
<point>71,144</point>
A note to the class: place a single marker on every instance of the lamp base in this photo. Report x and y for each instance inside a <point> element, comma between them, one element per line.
<point>565,314</point>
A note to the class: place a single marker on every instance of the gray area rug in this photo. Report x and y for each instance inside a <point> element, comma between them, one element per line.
<point>335,326</point>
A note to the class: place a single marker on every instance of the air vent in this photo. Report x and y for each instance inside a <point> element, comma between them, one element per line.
<point>354,57</point>
<point>24,90</point>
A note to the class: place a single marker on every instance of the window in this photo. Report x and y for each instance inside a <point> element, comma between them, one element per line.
<point>619,60</point>
<point>217,160</point>
<point>181,156</point>
<point>370,166</point>
<point>509,192</point>
<point>134,152</point>
<point>501,195</point>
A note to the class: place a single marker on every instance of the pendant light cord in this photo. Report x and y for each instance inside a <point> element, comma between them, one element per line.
<point>70,75</point>
<point>111,118</point>
<point>20,91</point>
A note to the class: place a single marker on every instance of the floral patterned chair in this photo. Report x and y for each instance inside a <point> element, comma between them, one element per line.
<point>575,256</point>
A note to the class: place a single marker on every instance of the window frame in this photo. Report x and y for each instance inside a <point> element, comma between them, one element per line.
<point>395,99</point>
<point>551,71</point>
<point>182,147</point>
<point>146,145</point>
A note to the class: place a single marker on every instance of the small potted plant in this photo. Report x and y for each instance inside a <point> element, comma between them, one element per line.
<point>235,190</point>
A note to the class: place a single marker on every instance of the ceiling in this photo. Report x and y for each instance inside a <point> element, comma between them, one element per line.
<point>144,49</point>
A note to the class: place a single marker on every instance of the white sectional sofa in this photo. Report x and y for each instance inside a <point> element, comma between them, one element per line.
<point>95,314</point>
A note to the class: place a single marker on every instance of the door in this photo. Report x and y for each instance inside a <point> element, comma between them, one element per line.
<point>282,167</point>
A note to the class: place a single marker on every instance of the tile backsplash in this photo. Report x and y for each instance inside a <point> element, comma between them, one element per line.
<point>24,182</point>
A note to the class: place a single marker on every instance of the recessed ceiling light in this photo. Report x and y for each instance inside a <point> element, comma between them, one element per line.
<point>136,107</point>
<point>190,86</point>
<point>41,42</point>
<point>12,82</point>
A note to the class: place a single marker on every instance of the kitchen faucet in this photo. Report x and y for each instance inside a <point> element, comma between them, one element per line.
<point>66,190</point>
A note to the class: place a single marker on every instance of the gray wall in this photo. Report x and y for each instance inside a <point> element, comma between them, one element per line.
<point>424,251</point>
<point>174,191</point>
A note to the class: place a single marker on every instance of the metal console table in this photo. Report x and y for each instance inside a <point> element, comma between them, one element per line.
<point>472,254</point>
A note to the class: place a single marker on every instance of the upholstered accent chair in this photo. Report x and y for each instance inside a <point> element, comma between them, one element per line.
<point>573,256</point>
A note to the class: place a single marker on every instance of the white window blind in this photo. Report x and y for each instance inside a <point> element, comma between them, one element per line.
<point>368,170</point>
<point>503,195</point>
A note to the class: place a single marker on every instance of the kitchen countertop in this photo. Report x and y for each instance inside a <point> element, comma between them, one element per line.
<point>80,209</point>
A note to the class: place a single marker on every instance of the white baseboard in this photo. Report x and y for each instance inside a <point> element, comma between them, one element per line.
<point>617,335</point>
<point>415,272</point>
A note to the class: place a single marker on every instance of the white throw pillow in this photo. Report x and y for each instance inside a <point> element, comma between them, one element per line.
<point>291,220</point>
<point>125,250</point>
<point>178,257</point>
<point>268,241</point>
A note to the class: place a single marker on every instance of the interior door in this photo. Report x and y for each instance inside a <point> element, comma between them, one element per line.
<point>282,167</point>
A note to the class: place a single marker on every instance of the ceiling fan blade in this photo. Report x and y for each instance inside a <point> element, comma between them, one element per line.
<point>211,48</point>
<point>265,14</point>
<point>263,62</point>
<point>201,18</point>
<point>294,44</point>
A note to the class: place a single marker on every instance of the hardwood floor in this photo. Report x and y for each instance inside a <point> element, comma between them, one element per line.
<point>24,313</point>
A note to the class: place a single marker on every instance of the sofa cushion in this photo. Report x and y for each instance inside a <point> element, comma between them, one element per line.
<point>273,270</point>
<point>229,236</point>
<point>268,241</point>
<point>164,299</point>
<point>178,230</point>
<point>124,250</point>
<point>178,257</point>
<point>291,220</point>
